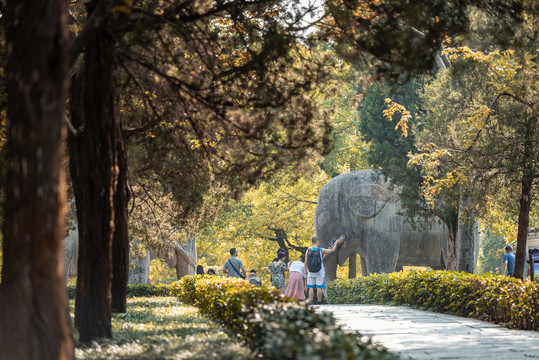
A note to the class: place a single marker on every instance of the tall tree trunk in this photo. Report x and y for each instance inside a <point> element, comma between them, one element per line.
<point>526,185</point>
<point>523,223</point>
<point>94,173</point>
<point>467,239</point>
<point>120,241</point>
<point>34,316</point>
<point>468,243</point>
<point>450,219</point>
<point>452,247</point>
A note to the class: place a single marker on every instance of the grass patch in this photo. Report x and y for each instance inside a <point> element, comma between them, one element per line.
<point>163,328</point>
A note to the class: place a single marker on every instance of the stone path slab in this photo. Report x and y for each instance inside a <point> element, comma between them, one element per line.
<point>422,335</point>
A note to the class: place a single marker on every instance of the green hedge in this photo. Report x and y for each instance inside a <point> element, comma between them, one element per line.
<point>272,325</point>
<point>139,290</point>
<point>499,299</point>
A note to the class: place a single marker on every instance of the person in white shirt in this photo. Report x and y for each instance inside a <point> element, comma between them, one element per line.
<point>296,279</point>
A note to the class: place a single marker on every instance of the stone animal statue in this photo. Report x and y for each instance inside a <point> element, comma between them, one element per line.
<point>361,205</point>
<point>71,251</point>
<point>183,258</point>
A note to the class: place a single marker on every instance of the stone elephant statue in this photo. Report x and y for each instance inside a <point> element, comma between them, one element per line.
<point>183,258</point>
<point>361,205</point>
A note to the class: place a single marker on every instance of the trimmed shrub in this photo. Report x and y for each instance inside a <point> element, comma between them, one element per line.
<point>500,299</point>
<point>138,290</point>
<point>146,290</point>
<point>273,326</point>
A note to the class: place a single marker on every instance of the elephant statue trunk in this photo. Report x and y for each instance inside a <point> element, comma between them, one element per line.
<point>342,236</point>
<point>331,271</point>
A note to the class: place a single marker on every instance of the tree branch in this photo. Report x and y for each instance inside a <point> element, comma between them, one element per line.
<point>96,19</point>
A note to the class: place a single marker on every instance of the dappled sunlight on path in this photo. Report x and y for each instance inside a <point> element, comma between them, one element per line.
<point>416,334</point>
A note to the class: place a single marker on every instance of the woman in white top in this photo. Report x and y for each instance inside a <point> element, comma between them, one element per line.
<point>296,283</point>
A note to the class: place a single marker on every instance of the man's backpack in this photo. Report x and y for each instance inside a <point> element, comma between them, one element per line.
<point>314,260</point>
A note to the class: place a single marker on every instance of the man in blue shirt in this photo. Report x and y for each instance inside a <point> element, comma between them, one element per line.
<point>234,267</point>
<point>508,261</point>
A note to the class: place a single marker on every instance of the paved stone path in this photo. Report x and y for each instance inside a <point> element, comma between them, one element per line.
<point>422,335</point>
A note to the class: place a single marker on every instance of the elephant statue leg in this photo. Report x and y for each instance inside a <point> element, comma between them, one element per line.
<point>363,261</point>
<point>330,266</point>
<point>383,251</point>
<point>352,266</point>
<point>183,262</point>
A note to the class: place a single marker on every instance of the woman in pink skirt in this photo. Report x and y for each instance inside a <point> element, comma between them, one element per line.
<point>296,283</point>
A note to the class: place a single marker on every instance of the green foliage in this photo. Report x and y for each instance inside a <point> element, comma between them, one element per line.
<point>148,290</point>
<point>488,33</point>
<point>389,29</point>
<point>161,328</point>
<point>219,96</point>
<point>143,290</point>
<point>479,128</point>
<point>480,134</point>
<point>153,218</point>
<point>272,325</point>
<point>500,299</point>
<point>348,151</point>
<point>491,253</point>
<point>388,148</point>
<point>161,273</point>
<point>247,222</point>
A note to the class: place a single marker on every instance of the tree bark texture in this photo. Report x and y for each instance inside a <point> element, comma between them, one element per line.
<point>468,246</point>
<point>452,247</point>
<point>523,223</point>
<point>120,241</point>
<point>34,313</point>
<point>467,239</point>
<point>94,173</point>
<point>526,185</point>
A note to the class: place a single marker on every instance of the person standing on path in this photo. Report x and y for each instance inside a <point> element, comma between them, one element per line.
<point>277,269</point>
<point>234,267</point>
<point>253,279</point>
<point>296,279</point>
<point>200,270</point>
<point>314,265</point>
<point>508,261</point>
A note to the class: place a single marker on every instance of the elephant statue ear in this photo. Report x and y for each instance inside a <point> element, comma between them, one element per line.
<point>368,200</point>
